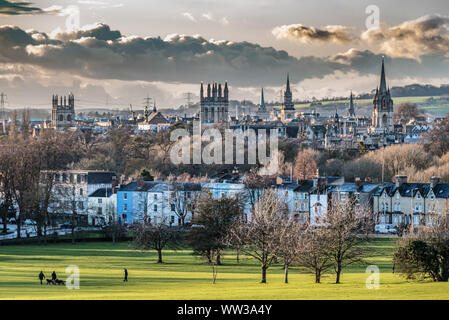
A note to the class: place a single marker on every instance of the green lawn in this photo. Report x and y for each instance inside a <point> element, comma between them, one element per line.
<point>184,276</point>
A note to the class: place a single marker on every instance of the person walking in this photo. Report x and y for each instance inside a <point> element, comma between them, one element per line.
<point>53,276</point>
<point>41,276</point>
<point>126,275</point>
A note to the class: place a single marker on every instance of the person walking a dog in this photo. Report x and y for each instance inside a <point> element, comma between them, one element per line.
<point>41,276</point>
<point>126,275</point>
<point>53,276</point>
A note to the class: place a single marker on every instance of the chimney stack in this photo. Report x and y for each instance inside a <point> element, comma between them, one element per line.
<point>434,181</point>
<point>400,180</point>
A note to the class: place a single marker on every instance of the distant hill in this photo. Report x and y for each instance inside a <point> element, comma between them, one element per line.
<point>414,90</point>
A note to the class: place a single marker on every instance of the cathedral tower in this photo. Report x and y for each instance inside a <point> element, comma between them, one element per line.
<point>214,106</point>
<point>63,112</point>
<point>383,106</point>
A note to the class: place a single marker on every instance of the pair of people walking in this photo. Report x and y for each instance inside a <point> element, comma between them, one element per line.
<point>42,276</point>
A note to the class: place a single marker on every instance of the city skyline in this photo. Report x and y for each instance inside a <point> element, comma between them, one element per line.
<point>117,54</point>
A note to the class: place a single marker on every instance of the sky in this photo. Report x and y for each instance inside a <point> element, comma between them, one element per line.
<point>115,53</point>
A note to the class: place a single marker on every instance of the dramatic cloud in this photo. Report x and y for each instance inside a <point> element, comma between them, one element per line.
<point>101,56</point>
<point>17,8</point>
<point>413,39</point>
<point>304,34</point>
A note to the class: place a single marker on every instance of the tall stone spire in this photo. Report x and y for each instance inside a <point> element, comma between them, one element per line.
<point>383,82</point>
<point>262,101</point>
<point>288,101</point>
<point>351,111</point>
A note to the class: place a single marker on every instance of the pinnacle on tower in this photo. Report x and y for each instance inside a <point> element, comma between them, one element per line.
<point>288,83</point>
<point>226,91</point>
<point>383,83</point>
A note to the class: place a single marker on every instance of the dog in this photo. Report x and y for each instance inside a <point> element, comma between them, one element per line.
<point>59,282</point>
<point>49,281</point>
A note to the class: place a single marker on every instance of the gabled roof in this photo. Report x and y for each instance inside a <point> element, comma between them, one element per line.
<point>157,118</point>
<point>441,190</point>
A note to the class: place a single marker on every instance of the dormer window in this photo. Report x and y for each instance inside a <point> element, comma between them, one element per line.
<point>418,196</point>
<point>398,195</point>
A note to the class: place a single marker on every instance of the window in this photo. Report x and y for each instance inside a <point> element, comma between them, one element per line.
<point>155,196</point>
<point>81,191</point>
<point>125,207</point>
<point>418,196</point>
<point>172,219</point>
<point>189,194</point>
<point>100,200</point>
<point>342,196</point>
<point>78,178</point>
<point>100,210</point>
<point>155,207</point>
<point>125,196</point>
<point>81,205</point>
<point>172,207</point>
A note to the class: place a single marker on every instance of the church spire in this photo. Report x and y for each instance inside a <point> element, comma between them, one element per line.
<point>262,99</point>
<point>383,83</point>
<point>288,83</point>
<point>351,111</point>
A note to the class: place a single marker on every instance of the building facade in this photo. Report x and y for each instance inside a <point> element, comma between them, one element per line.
<point>214,103</point>
<point>63,112</point>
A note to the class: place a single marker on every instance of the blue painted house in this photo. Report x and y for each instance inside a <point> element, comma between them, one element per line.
<point>132,200</point>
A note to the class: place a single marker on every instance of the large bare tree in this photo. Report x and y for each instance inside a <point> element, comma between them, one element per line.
<point>156,236</point>
<point>258,236</point>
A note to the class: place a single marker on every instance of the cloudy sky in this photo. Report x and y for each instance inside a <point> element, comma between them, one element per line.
<point>114,53</point>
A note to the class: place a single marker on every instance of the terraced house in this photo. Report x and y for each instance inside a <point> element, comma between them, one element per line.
<point>405,203</point>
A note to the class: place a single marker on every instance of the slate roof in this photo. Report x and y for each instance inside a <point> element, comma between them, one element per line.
<point>99,177</point>
<point>132,186</point>
<point>441,190</point>
<point>101,193</point>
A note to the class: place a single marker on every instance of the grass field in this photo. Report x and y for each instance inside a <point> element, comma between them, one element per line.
<point>184,276</point>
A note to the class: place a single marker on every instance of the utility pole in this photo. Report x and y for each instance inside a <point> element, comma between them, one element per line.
<point>147,102</point>
<point>188,96</point>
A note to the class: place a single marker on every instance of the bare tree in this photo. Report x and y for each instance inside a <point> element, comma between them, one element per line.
<point>211,224</point>
<point>258,236</point>
<point>305,165</point>
<point>343,224</point>
<point>155,236</point>
<point>313,254</point>
<point>290,233</point>
<point>184,199</point>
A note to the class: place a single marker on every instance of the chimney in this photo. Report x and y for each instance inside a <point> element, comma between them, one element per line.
<point>358,182</point>
<point>140,182</point>
<point>434,181</point>
<point>400,180</point>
